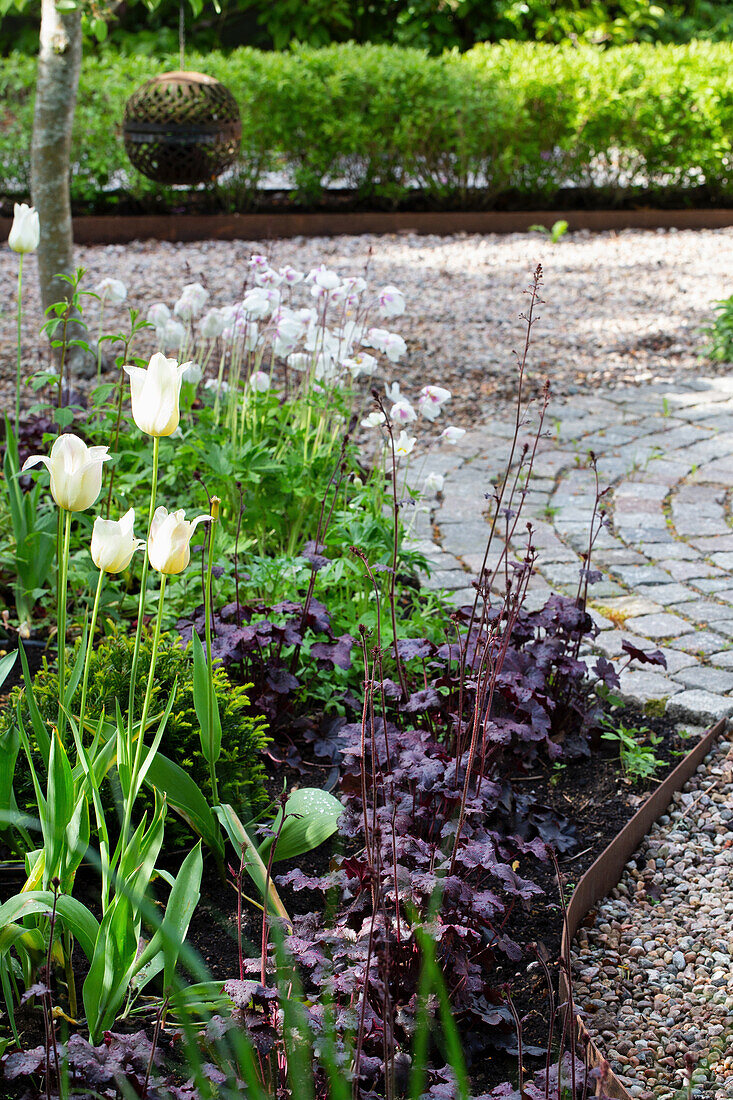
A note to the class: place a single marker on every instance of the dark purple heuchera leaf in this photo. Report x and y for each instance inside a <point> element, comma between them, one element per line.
<point>313,553</point>
<point>655,657</point>
<point>409,648</point>
<point>421,701</point>
<point>281,680</point>
<point>22,1063</point>
<point>606,672</point>
<point>338,654</point>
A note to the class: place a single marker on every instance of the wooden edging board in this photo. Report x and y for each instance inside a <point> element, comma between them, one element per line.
<point>606,872</point>
<point>118,229</point>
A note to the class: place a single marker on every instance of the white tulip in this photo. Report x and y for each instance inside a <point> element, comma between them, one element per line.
<point>391,302</point>
<point>260,381</point>
<point>452,435</point>
<point>155,394</point>
<point>25,232</point>
<point>113,543</point>
<point>113,291</point>
<point>76,472</point>
<point>169,548</point>
<point>402,413</point>
<point>373,420</point>
<point>404,444</point>
<point>434,483</point>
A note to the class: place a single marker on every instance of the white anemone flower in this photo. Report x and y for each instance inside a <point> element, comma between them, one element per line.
<point>404,445</point>
<point>431,400</point>
<point>323,278</point>
<point>452,434</point>
<point>376,338</point>
<point>260,381</point>
<point>402,413</point>
<point>261,302</point>
<point>373,420</point>
<point>171,335</point>
<point>359,364</point>
<point>299,361</point>
<point>212,324</point>
<point>394,347</point>
<point>159,314</point>
<point>191,372</point>
<point>393,392</point>
<point>267,276</point>
<point>434,483</point>
<point>290,276</point>
<point>287,333</point>
<point>193,299</point>
<point>113,291</point>
<point>391,302</point>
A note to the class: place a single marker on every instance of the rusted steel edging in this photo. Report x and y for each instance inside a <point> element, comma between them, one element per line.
<point>606,872</point>
<point>119,229</point>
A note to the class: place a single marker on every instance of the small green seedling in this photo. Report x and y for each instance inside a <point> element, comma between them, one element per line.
<point>638,759</point>
<point>558,231</point>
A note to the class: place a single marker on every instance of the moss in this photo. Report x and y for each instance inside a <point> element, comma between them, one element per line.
<point>239,769</point>
<point>655,708</point>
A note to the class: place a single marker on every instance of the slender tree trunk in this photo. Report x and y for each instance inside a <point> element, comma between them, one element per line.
<point>59,63</point>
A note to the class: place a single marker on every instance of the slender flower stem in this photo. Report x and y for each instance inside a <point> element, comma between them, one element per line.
<point>87,657</point>
<point>131,793</point>
<point>61,620</point>
<point>20,319</point>
<point>141,602</point>
<point>215,502</point>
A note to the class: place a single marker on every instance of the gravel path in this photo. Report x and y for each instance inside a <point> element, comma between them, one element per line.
<point>621,308</point>
<point>655,973</point>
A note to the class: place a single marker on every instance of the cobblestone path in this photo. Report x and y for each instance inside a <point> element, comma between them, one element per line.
<point>667,555</point>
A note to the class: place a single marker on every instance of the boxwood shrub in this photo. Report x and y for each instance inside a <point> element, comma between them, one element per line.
<point>507,122</point>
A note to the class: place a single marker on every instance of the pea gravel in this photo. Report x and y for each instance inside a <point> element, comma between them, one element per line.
<point>655,972</point>
<point>621,307</point>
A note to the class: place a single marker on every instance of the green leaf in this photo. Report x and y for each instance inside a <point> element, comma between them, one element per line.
<point>316,819</point>
<point>210,724</point>
<point>6,665</point>
<point>105,986</point>
<point>75,916</point>
<point>253,864</point>
<point>59,807</point>
<point>182,901</point>
<point>185,797</point>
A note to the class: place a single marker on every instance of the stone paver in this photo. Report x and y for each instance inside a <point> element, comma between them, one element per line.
<point>666,553</point>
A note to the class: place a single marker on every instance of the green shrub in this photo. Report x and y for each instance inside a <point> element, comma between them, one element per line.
<point>511,119</point>
<point>239,770</point>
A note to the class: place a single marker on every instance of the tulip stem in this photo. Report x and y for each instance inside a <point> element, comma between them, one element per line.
<point>61,621</point>
<point>209,662</point>
<point>131,793</point>
<point>20,319</point>
<point>90,647</point>
<point>141,602</point>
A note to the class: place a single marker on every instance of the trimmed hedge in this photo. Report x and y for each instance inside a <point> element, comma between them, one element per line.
<point>516,119</point>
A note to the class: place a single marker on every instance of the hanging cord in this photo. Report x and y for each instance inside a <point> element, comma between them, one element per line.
<point>182,33</point>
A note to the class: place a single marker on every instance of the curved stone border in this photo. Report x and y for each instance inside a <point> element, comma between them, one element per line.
<point>120,229</point>
<point>606,872</point>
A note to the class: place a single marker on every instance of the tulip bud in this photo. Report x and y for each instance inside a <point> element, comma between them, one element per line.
<point>76,472</point>
<point>155,394</point>
<point>170,537</point>
<point>113,543</point>
<point>25,232</point>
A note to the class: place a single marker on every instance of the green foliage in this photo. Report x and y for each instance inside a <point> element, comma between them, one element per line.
<point>555,233</point>
<point>636,746</point>
<point>243,736</point>
<point>512,119</point>
<point>719,344</point>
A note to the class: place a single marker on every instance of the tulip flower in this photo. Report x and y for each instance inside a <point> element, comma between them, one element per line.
<point>155,393</point>
<point>169,547</point>
<point>25,232</point>
<point>113,543</point>
<point>76,472</point>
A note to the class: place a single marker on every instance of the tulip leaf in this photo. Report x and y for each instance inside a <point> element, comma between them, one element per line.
<point>252,861</point>
<point>311,817</point>
<point>182,901</point>
<point>105,986</point>
<point>75,916</point>
<point>185,797</point>
<point>6,665</point>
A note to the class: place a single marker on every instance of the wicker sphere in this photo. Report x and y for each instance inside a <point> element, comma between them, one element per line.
<point>182,128</point>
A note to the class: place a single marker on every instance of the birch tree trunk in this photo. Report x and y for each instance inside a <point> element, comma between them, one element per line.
<point>59,63</point>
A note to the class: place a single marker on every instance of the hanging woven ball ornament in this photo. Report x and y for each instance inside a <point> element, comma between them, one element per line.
<point>182,128</point>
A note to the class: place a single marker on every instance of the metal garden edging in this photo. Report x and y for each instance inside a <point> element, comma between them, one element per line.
<point>606,872</point>
<point>120,229</point>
